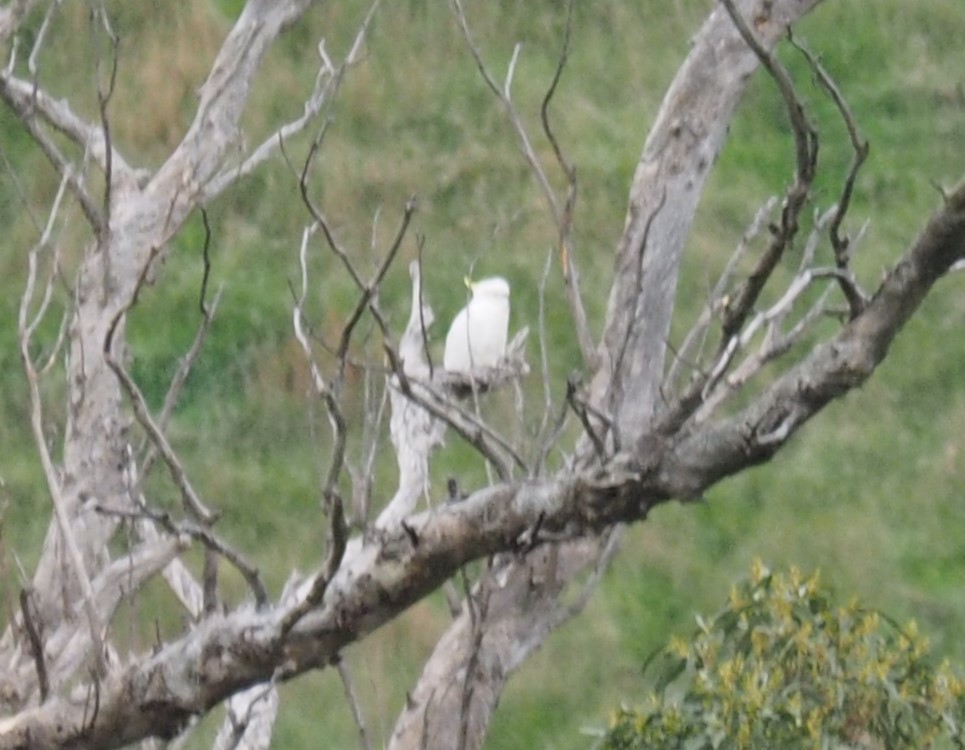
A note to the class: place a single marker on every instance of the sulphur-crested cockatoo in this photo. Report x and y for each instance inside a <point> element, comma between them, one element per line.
<point>477,337</point>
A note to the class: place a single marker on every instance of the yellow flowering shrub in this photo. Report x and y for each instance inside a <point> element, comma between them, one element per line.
<point>783,667</point>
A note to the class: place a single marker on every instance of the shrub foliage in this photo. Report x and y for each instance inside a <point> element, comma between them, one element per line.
<point>784,666</point>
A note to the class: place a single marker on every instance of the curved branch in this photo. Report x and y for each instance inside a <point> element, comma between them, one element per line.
<point>682,146</point>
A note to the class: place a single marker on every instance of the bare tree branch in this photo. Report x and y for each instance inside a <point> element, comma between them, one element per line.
<point>186,362</point>
<point>842,250</point>
<point>23,100</point>
<point>738,307</point>
<point>571,274</point>
<point>327,84</point>
<point>322,389</point>
<point>192,502</point>
<point>683,143</point>
<point>806,153</point>
<point>103,101</point>
<point>716,298</point>
<point>350,695</point>
<point>36,644</point>
<point>186,529</point>
<point>29,101</point>
<point>414,430</point>
<point>12,15</point>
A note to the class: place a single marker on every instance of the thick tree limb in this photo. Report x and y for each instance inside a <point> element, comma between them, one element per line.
<point>682,146</point>
<point>505,639</point>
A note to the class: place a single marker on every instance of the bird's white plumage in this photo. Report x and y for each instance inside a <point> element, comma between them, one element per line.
<point>477,336</point>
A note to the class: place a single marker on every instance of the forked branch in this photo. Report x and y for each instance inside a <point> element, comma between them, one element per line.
<point>860,147</point>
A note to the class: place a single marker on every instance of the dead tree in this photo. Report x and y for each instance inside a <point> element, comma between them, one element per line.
<point>649,434</point>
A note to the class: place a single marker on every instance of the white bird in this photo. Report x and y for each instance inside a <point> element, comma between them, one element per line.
<point>477,336</point>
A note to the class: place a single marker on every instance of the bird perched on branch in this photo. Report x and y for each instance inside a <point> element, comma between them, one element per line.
<point>477,336</point>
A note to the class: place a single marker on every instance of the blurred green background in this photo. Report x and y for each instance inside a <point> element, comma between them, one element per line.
<point>871,492</point>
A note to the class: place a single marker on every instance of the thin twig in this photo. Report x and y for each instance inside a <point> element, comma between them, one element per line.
<point>186,363</point>
<point>21,193</point>
<point>328,81</point>
<point>774,343</point>
<point>11,17</point>
<point>368,291</point>
<point>739,306</point>
<point>860,148</point>
<point>338,539</point>
<point>716,298</point>
<point>806,153</point>
<point>542,445</point>
<point>203,534</point>
<point>571,274</point>
<point>28,329</point>
<point>468,426</point>
<point>562,215</point>
<point>103,100</point>
<point>36,644</point>
<point>58,345</point>
<point>420,243</point>
<point>192,502</point>
<point>353,701</point>
<point>600,566</point>
<point>32,103</point>
<point>363,479</point>
<point>322,388</point>
<point>478,612</point>
<point>580,409</point>
<point>564,163</point>
<point>39,40</point>
<point>314,211</point>
<point>63,166</point>
<point>502,93</point>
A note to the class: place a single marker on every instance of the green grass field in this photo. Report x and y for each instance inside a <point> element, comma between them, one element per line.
<point>872,491</point>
